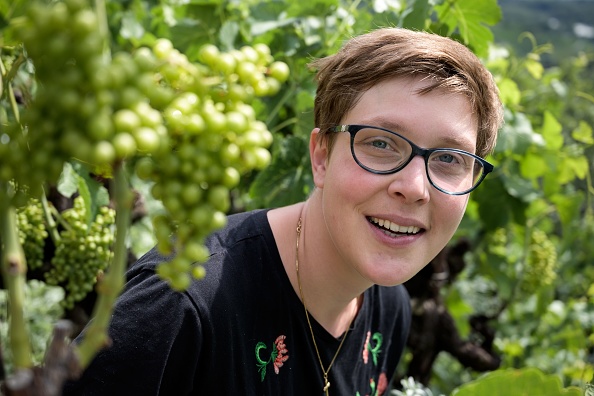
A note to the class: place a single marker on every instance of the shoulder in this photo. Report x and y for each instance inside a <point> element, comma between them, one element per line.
<point>240,227</point>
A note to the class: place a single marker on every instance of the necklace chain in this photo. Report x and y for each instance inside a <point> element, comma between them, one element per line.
<point>325,372</point>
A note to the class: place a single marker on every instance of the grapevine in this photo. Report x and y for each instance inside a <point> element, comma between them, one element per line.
<point>541,262</point>
<point>82,252</point>
<point>189,127</point>
<point>214,137</point>
<point>32,232</point>
<point>185,126</point>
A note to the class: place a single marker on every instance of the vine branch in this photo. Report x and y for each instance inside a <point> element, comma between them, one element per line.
<point>109,286</point>
<point>14,269</point>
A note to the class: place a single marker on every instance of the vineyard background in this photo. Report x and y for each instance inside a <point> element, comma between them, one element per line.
<point>516,283</point>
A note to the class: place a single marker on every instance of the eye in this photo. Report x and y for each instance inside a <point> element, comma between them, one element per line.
<point>447,158</point>
<point>381,144</point>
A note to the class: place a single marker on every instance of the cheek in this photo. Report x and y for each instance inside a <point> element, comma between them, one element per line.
<point>451,212</point>
<point>345,177</point>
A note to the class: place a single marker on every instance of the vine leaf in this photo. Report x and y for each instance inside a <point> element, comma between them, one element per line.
<point>529,381</point>
<point>469,18</point>
<point>76,178</point>
<point>288,178</point>
<point>415,14</point>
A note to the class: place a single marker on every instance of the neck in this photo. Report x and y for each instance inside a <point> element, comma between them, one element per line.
<point>331,291</point>
<point>325,296</point>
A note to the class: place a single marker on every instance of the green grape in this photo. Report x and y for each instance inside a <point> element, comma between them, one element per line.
<point>541,262</point>
<point>83,251</point>
<point>32,232</point>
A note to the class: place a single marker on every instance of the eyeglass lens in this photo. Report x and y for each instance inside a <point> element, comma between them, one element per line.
<point>382,151</point>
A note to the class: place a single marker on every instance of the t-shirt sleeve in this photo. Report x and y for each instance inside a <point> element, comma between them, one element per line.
<point>155,346</point>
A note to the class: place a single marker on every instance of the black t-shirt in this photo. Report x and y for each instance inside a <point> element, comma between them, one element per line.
<point>241,330</point>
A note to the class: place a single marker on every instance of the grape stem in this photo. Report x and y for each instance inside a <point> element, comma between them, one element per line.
<point>7,78</point>
<point>109,286</point>
<point>51,223</point>
<point>101,12</point>
<point>14,270</point>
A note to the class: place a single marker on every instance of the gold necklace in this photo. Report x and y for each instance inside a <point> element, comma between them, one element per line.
<point>324,371</point>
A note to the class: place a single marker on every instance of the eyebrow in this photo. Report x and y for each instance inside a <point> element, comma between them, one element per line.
<point>448,141</point>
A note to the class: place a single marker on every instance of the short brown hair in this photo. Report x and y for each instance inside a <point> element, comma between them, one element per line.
<point>395,52</point>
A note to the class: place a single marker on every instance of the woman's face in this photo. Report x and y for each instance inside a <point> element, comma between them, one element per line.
<point>359,207</point>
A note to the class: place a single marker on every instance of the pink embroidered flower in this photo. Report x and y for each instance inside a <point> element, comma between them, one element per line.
<point>365,349</point>
<point>282,350</point>
<point>382,384</point>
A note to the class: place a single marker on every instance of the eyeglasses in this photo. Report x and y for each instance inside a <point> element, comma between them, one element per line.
<point>383,152</point>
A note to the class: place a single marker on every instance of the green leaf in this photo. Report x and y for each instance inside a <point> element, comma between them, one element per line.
<point>568,206</point>
<point>497,207</point>
<point>524,382</point>
<point>517,134</point>
<point>93,193</point>
<point>415,14</point>
<point>469,18</point>
<point>316,8</point>
<point>551,131</point>
<point>579,165</point>
<point>228,34</point>
<point>131,28</point>
<point>288,178</point>
<point>509,92</point>
<point>68,181</point>
<point>533,165</point>
<point>534,67</point>
<point>583,133</point>
<point>85,194</point>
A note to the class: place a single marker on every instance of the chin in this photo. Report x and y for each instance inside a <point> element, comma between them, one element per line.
<point>392,277</point>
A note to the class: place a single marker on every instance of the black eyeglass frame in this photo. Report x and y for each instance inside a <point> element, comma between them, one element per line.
<point>416,150</point>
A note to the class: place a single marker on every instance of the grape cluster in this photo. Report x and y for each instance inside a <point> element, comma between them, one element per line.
<point>32,232</point>
<point>188,127</point>
<point>89,106</point>
<point>214,137</point>
<point>82,252</point>
<point>541,262</point>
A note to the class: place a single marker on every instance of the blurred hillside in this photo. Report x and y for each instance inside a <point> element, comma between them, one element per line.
<point>567,24</point>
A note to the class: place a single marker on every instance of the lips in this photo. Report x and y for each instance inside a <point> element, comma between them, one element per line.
<point>393,229</point>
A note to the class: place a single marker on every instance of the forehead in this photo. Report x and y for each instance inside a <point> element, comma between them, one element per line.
<point>436,118</point>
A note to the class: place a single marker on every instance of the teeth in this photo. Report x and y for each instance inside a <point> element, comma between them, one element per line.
<point>395,227</point>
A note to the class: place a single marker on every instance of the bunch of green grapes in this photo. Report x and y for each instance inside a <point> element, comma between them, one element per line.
<point>89,106</point>
<point>32,232</point>
<point>189,127</point>
<point>541,262</point>
<point>83,251</point>
<point>214,137</point>
<point>498,241</point>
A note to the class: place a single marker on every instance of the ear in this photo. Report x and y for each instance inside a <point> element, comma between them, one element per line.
<point>318,153</point>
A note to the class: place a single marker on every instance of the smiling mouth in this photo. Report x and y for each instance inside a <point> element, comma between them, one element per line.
<point>393,229</point>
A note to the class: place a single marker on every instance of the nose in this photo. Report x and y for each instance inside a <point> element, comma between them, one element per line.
<point>411,183</point>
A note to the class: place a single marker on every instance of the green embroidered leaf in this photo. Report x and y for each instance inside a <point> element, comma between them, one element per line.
<point>375,351</point>
<point>469,18</point>
<point>261,364</point>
